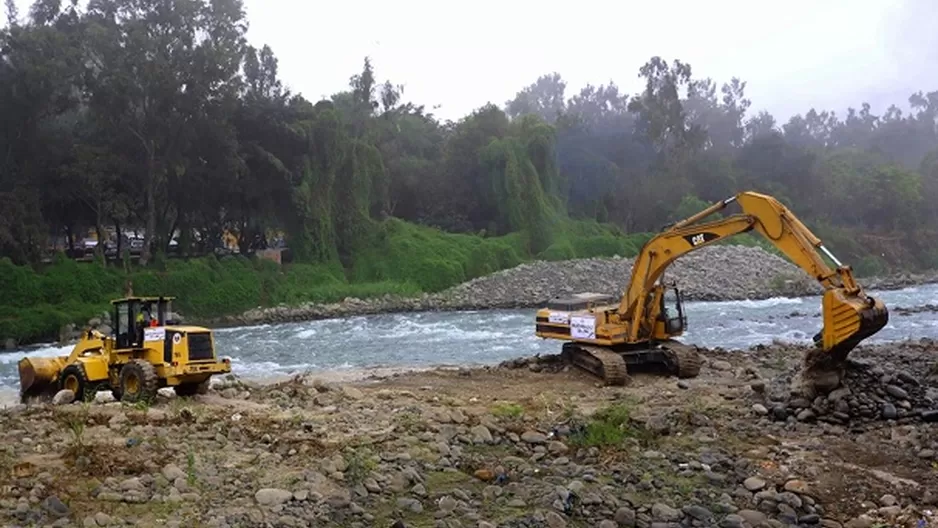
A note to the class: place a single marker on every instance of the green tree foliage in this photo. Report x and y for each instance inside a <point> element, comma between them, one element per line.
<point>157,116</point>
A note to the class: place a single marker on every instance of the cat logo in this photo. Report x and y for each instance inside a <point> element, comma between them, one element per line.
<point>696,240</point>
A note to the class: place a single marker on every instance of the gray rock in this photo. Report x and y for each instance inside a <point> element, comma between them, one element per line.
<point>409,504</point>
<point>554,520</point>
<point>698,512</point>
<point>889,411</point>
<point>625,516</point>
<point>352,392</point>
<point>102,519</point>
<point>721,365</point>
<point>447,504</point>
<point>533,437</point>
<point>54,506</point>
<point>897,392</point>
<point>752,517</point>
<point>557,447</point>
<point>63,397</point>
<point>173,472</point>
<point>863,521</point>
<point>663,512</point>
<point>481,435</point>
<point>132,484</point>
<point>733,521</point>
<point>272,496</point>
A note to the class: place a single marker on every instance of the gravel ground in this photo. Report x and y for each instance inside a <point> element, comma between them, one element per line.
<point>530,443</point>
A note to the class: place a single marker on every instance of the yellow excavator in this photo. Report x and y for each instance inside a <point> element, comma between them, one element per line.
<point>607,338</point>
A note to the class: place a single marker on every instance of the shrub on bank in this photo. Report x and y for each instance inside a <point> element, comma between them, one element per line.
<point>398,258</point>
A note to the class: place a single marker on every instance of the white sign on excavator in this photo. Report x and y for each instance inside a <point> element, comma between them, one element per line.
<point>583,327</point>
<point>559,317</point>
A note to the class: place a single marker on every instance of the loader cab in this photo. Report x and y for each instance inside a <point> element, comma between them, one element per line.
<point>135,314</point>
<point>672,310</point>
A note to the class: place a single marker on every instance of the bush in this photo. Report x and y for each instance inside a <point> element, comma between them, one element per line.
<point>397,258</point>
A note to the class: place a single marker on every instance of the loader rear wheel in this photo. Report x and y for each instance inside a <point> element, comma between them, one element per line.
<point>138,382</point>
<point>73,378</point>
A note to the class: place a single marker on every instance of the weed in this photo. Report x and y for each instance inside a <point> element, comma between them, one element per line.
<point>408,420</point>
<point>190,467</point>
<point>359,464</point>
<point>610,427</point>
<point>74,423</point>
<point>508,410</point>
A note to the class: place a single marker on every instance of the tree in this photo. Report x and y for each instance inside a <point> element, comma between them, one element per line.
<point>158,64</point>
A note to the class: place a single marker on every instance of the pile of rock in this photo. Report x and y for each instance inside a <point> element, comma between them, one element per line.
<point>902,388</point>
<point>710,274</point>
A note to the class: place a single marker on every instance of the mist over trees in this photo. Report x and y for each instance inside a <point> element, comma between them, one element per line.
<point>157,114</point>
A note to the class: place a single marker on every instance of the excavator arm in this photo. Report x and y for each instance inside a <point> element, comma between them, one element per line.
<point>849,314</point>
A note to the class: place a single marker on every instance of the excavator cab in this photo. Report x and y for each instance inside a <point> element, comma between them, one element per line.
<point>672,311</point>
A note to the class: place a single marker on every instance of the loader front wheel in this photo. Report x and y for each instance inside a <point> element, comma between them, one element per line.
<point>138,382</point>
<point>73,378</point>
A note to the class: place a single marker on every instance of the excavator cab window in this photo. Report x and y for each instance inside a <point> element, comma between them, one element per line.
<point>673,310</point>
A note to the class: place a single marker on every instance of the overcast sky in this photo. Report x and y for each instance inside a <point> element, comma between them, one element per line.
<point>796,54</point>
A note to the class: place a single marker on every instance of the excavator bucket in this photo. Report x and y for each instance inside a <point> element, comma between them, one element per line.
<point>848,320</point>
<point>39,375</point>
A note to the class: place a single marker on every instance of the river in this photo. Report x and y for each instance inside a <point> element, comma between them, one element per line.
<point>345,348</point>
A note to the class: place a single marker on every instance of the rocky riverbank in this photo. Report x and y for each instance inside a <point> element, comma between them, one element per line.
<point>714,273</point>
<point>527,444</point>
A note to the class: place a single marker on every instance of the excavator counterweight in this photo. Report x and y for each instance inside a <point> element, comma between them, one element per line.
<point>608,337</point>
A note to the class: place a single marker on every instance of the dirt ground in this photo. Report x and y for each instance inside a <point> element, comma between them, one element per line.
<point>436,448</point>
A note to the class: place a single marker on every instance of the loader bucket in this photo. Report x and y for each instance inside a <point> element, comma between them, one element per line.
<point>39,376</point>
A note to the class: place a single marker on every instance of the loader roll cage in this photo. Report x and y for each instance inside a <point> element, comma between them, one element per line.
<point>129,332</point>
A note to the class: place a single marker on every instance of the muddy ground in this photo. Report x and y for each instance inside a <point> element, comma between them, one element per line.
<point>530,443</point>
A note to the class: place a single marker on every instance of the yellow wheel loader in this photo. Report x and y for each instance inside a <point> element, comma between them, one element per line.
<point>146,352</point>
<point>607,338</point>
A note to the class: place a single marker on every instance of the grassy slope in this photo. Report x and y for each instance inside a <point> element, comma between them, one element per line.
<point>401,259</point>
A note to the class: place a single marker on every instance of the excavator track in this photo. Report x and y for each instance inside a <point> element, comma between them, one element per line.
<point>685,360</point>
<point>599,361</point>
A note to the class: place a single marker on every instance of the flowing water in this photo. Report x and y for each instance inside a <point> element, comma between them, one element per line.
<point>347,348</point>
